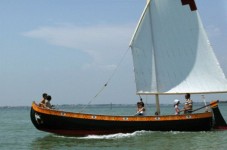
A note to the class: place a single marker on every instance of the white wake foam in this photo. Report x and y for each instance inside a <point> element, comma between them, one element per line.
<point>115,136</point>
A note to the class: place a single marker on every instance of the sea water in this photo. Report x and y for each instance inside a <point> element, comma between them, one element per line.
<point>18,132</point>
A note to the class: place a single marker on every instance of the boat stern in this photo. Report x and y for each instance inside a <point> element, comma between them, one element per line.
<point>219,121</point>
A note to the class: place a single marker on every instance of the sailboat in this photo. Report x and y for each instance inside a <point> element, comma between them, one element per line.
<point>171,55</point>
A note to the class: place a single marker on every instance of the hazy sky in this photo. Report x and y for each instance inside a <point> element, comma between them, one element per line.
<point>70,48</point>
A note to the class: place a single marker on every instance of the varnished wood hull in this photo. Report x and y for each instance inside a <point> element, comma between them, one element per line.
<point>78,124</point>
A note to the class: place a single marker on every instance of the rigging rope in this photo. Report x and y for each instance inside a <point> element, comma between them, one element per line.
<point>105,85</point>
<point>118,65</point>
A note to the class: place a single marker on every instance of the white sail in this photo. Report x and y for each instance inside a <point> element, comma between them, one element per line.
<point>171,51</point>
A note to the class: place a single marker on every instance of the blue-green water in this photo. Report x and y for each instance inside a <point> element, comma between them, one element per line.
<point>17,132</point>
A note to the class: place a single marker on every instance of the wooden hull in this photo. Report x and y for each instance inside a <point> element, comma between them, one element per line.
<point>78,124</point>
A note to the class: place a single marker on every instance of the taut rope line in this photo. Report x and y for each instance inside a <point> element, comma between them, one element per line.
<point>109,79</point>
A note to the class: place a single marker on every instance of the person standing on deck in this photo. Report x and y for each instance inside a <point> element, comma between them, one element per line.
<point>188,104</point>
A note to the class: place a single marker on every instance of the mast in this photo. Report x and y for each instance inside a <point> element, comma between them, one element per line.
<point>157,104</point>
<point>154,66</point>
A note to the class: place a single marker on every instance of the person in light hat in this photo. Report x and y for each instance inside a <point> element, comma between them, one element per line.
<point>176,103</point>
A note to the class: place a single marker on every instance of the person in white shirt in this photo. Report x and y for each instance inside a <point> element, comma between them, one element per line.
<point>176,107</point>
